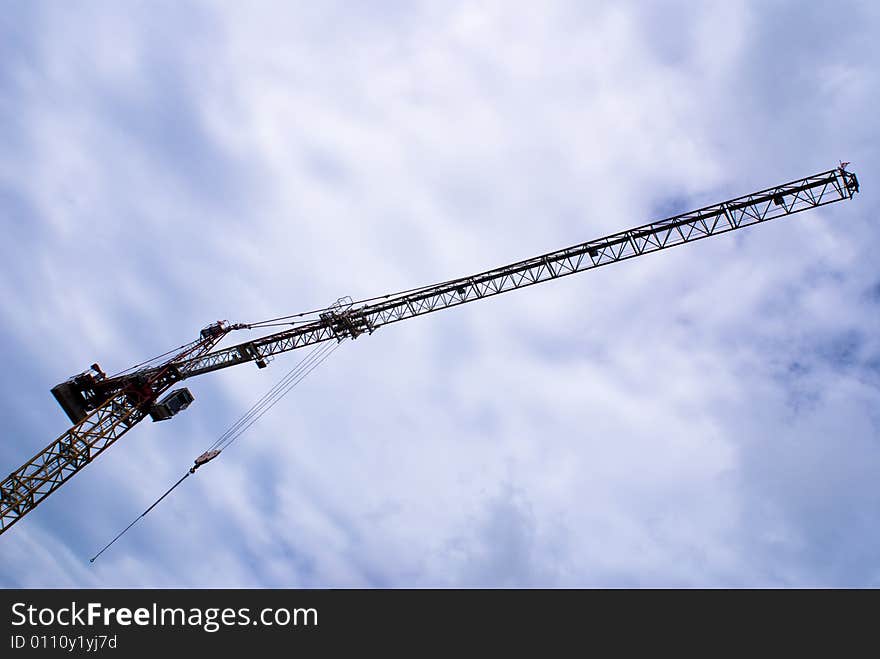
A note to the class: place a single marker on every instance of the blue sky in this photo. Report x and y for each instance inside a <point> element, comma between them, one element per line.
<point>706,416</point>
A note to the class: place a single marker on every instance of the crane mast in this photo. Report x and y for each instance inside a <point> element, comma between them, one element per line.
<point>103,409</point>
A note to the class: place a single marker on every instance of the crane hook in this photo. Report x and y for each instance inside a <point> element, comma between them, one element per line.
<point>204,458</point>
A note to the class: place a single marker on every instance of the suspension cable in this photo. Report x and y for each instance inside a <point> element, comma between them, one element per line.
<point>267,401</point>
<point>276,322</point>
<point>154,359</point>
<point>306,365</point>
<point>139,517</point>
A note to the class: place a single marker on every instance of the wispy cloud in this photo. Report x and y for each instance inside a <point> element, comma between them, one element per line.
<point>707,416</point>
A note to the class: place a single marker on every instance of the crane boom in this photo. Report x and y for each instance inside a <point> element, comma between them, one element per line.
<point>103,409</point>
<point>781,200</point>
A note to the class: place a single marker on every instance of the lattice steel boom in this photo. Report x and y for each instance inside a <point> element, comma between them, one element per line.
<point>786,199</point>
<point>103,409</point>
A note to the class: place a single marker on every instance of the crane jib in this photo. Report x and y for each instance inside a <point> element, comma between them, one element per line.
<point>778,201</point>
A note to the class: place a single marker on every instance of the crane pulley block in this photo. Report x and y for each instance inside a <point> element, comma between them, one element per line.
<point>214,330</point>
<point>343,324</point>
<point>204,458</point>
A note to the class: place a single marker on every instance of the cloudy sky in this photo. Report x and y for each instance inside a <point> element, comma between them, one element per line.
<point>706,416</point>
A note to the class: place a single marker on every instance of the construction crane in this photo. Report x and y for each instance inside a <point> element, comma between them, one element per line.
<point>103,409</point>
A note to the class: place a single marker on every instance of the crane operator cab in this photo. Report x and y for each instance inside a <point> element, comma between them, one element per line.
<point>177,401</point>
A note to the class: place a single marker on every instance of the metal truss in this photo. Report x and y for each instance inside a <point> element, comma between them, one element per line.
<point>345,321</point>
<point>28,485</point>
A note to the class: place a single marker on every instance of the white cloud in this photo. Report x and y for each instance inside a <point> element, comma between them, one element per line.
<point>642,424</point>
